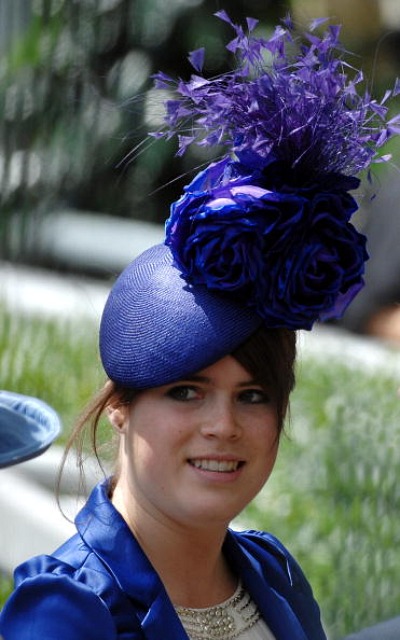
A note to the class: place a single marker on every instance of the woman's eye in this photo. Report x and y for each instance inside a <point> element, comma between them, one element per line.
<point>182,393</point>
<point>254,396</point>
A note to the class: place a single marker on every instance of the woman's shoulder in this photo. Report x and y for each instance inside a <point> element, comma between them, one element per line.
<point>273,556</point>
<point>262,540</point>
<point>264,560</point>
<point>49,601</point>
<point>66,590</point>
<point>72,560</point>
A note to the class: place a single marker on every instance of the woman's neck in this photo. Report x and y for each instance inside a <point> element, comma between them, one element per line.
<point>188,559</point>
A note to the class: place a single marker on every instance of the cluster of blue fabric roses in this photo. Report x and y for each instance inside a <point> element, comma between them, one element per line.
<point>294,256</point>
<point>269,223</point>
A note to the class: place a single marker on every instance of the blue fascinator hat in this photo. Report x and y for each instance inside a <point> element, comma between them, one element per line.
<point>28,426</point>
<point>156,327</point>
<point>263,236</point>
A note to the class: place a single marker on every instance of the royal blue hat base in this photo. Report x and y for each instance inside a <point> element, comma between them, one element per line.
<point>156,328</point>
<point>28,426</point>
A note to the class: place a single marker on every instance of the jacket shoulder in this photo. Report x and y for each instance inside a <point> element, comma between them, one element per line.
<point>274,555</point>
<point>49,603</point>
<point>72,585</point>
<point>276,567</point>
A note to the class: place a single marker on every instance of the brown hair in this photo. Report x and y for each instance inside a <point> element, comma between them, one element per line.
<point>269,355</point>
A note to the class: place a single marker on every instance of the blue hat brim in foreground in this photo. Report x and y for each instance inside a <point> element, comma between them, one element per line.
<point>28,426</point>
<point>156,328</point>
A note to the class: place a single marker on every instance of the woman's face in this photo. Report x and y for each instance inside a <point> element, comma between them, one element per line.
<point>195,452</point>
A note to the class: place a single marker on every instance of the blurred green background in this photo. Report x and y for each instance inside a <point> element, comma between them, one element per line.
<point>75,101</point>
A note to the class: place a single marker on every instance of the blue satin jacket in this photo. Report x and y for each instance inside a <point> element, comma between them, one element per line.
<point>100,586</point>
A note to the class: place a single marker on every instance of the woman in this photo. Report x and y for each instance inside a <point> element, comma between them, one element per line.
<point>153,542</point>
<point>198,342</point>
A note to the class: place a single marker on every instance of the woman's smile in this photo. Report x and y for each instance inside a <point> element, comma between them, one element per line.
<point>212,464</point>
<point>217,470</point>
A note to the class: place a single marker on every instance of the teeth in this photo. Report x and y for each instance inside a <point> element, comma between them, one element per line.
<point>216,465</point>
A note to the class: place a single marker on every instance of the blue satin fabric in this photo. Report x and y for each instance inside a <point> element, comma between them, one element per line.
<point>100,586</point>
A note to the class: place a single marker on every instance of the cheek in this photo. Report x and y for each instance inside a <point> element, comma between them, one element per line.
<point>266,426</point>
<point>142,451</point>
<point>266,441</point>
<point>151,446</point>
<point>268,460</point>
<point>146,468</point>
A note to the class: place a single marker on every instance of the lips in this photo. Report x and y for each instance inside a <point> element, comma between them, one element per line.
<point>220,466</point>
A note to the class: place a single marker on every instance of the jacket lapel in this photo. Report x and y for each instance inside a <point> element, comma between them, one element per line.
<point>161,620</point>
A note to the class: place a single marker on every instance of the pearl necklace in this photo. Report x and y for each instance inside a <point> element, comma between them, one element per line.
<point>221,622</point>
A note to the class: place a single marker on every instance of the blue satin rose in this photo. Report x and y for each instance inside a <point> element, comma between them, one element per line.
<point>295,257</point>
<point>317,273</point>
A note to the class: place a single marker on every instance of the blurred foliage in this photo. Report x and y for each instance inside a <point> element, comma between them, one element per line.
<point>76,102</point>
<point>6,586</point>
<point>54,360</point>
<point>334,496</point>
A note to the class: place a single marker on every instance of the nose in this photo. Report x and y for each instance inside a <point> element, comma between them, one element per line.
<point>221,422</point>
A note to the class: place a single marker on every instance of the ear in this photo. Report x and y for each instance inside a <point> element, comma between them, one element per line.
<point>117,417</point>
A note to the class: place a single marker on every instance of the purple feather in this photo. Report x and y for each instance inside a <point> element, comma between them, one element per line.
<point>290,98</point>
<point>196,59</point>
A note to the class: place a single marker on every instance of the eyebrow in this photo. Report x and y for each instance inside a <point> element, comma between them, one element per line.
<point>206,380</point>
